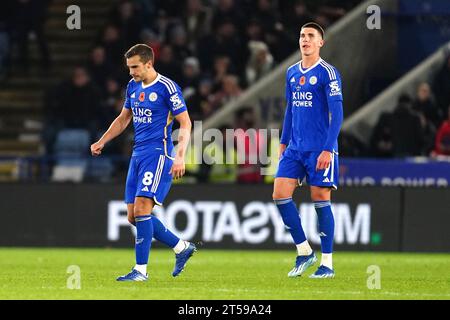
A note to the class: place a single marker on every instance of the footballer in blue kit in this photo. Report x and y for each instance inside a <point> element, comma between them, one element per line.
<point>309,148</point>
<point>152,102</point>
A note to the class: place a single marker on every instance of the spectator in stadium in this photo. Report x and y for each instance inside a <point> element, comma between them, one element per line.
<point>425,104</point>
<point>29,18</point>
<point>442,86</point>
<point>98,67</point>
<point>254,31</point>
<point>230,91</point>
<point>227,11</point>
<point>442,145</point>
<point>191,77</point>
<point>150,38</point>
<point>200,104</point>
<point>260,62</point>
<point>225,41</point>
<point>296,15</point>
<point>222,68</point>
<point>113,44</point>
<point>129,20</point>
<point>220,163</point>
<point>252,141</point>
<point>73,104</point>
<point>178,41</point>
<point>167,64</point>
<point>197,21</point>
<point>266,13</point>
<point>381,142</point>
<point>407,130</point>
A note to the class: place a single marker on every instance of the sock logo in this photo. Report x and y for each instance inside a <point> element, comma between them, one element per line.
<point>322,234</point>
<point>139,240</point>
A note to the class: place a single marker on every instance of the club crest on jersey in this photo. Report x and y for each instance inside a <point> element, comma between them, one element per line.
<point>142,97</point>
<point>153,96</point>
<point>302,80</point>
<point>313,80</point>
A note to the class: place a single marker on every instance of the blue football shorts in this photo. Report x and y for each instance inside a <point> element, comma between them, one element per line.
<point>148,176</point>
<point>298,165</point>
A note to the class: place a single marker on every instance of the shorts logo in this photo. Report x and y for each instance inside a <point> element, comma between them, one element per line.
<point>302,80</point>
<point>313,80</point>
<point>142,96</point>
<point>176,101</point>
<point>153,96</point>
<point>144,189</point>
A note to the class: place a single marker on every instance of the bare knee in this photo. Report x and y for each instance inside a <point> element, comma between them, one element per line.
<point>142,206</point>
<point>283,188</point>
<point>320,194</point>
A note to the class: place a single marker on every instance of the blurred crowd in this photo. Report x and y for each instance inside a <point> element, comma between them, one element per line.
<point>418,126</point>
<point>212,49</point>
<point>20,20</point>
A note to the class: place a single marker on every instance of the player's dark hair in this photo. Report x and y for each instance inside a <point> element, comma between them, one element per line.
<point>144,52</point>
<point>316,26</point>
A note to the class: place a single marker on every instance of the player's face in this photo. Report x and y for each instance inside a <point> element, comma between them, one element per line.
<point>310,41</point>
<point>138,69</point>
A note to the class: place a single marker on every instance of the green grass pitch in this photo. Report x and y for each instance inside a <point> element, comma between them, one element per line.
<point>41,273</point>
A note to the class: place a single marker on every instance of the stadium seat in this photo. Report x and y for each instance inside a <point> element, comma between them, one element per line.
<point>70,150</point>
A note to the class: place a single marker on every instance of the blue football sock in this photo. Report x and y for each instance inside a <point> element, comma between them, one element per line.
<point>144,237</point>
<point>291,219</point>
<point>326,225</point>
<point>162,234</point>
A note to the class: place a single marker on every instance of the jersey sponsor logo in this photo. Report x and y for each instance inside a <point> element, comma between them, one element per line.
<point>142,96</point>
<point>313,80</point>
<point>302,99</point>
<point>153,96</point>
<point>176,102</point>
<point>142,115</point>
<point>335,89</point>
<point>302,80</point>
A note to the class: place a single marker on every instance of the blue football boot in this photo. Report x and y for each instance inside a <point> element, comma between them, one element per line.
<point>182,258</point>
<point>301,264</point>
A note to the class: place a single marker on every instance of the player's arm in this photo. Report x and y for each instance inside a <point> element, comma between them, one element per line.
<point>178,167</point>
<point>116,128</point>
<point>336,114</point>
<point>287,124</point>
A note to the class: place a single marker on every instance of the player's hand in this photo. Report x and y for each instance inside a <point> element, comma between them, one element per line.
<point>178,168</point>
<point>96,148</point>
<point>281,150</point>
<point>324,160</point>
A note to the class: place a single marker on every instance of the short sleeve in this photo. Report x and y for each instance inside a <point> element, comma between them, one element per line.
<point>332,84</point>
<point>176,101</point>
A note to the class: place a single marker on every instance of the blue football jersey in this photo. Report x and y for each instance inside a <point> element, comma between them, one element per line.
<point>308,93</point>
<point>154,106</point>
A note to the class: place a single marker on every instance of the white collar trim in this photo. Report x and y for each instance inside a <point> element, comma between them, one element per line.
<point>151,83</point>
<point>310,68</point>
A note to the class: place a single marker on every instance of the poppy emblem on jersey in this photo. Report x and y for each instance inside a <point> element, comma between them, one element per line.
<point>142,96</point>
<point>313,80</point>
<point>302,80</point>
<point>153,96</point>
